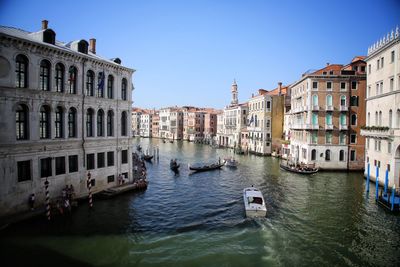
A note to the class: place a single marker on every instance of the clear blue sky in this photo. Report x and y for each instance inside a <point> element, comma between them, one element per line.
<point>189,52</point>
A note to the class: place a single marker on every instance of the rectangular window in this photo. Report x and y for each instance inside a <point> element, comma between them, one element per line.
<point>378,64</point>
<point>354,85</point>
<point>379,145</point>
<point>389,148</point>
<point>352,155</point>
<point>367,143</point>
<point>100,160</point>
<point>73,163</point>
<point>268,105</point>
<point>353,138</point>
<point>60,165</point>
<point>382,62</point>
<point>90,161</point>
<point>315,85</point>
<point>342,86</point>
<point>24,170</point>
<point>110,178</point>
<point>369,69</point>
<point>328,85</point>
<point>376,145</point>
<point>381,88</point>
<point>314,137</point>
<point>124,156</point>
<point>45,168</point>
<point>377,89</point>
<point>362,68</point>
<point>392,56</point>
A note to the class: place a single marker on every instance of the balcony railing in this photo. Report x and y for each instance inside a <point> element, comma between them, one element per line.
<point>344,108</point>
<point>328,107</point>
<point>343,127</point>
<point>315,108</point>
<point>382,132</point>
<point>312,126</point>
<point>328,126</point>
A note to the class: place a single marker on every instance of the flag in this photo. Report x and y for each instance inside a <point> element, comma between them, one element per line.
<point>251,120</point>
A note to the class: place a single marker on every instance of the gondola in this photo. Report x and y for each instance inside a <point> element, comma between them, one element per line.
<point>204,168</point>
<point>305,170</point>
<point>147,157</point>
<point>174,167</point>
<point>139,148</point>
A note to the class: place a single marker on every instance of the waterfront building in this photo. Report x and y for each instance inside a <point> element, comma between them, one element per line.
<point>326,110</point>
<point>146,124</point>
<point>382,129</point>
<point>66,111</point>
<point>210,125</point>
<point>171,123</point>
<point>277,117</point>
<point>285,152</point>
<point>135,117</point>
<point>193,124</point>
<point>234,121</point>
<point>155,128</point>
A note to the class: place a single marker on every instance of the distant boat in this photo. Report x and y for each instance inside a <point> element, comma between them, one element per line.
<point>171,141</point>
<point>139,148</point>
<point>305,169</point>
<point>231,162</point>
<point>254,203</point>
<point>174,167</point>
<point>204,168</point>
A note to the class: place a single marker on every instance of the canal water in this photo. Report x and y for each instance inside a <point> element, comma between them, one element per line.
<point>198,220</point>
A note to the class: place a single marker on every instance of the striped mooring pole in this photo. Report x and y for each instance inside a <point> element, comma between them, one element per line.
<point>89,186</point>
<point>46,188</point>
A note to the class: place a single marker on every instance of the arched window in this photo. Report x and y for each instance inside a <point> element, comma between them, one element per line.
<point>89,122</point>
<point>21,122</point>
<point>343,100</point>
<point>58,123</point>
<point>354,101</point>
<point>72,122</point>
<point>328,118</point>
<point>398,118</point>
<point>100,122</point>
<point>110,123</point>
<point>255,121</point>
<point>380,118</point>
<point>44,78</point>
<point>123,89</point>
<point>21,71</point>
<point>329,100</point>
<point>369,119</point>
<point>72,76</point>
<point>354,119</point>
<point>313,154</point>
<point>315,100</point>
<point>110,87</point>
<point>123,124</point>
<point>327,155</point>
<point>44,121</point>
<point>59,78</point>
<point>376,118</point>
<point>314,118</point>
<point>90,83</point>
<point>100,84</point>
<point>341,155</point>
<point>390,118</point>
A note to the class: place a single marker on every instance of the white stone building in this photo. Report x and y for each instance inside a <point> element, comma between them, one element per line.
<point>136,122</point>
<point>382,129</point>
<point>66,111</point>
<point>171,123</point>
<point>145,127</point>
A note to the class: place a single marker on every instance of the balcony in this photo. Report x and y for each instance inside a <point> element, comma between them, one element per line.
<point>328,126</point>
<point>344,108</point>
<point>312,126</point>
<point>343,127</point>
<point>378,131</point>
<point>298,109</point>
<point>297,126</point>
<point>315,108</point>
<point>329,108</point>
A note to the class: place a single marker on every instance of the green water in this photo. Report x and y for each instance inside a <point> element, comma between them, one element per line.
<point>198,220</point>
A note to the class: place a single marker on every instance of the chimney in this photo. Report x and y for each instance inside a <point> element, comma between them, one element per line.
<point>279,88</point>
<point>92,45</point>
<point>327,64</point>
<point>45,23</point>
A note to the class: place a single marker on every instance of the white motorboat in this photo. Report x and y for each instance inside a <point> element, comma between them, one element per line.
<point>231,162</point>
<point>254,203</point>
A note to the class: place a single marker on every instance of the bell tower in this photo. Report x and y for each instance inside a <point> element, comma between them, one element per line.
<point>234,91</point>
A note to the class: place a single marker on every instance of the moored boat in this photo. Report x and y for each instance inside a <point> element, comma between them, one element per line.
<point>147,157</point>
<point>254,203</point>
<point>301,169</point>
<point>174,166</point>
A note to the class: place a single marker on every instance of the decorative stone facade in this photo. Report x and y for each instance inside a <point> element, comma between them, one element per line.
<point>64,113</point>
